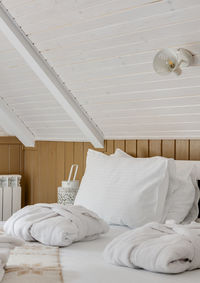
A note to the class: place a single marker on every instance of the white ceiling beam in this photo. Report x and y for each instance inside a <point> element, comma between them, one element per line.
<point>49,77</point>
<point>13,125</point>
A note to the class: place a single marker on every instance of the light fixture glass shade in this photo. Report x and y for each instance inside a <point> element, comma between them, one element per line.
<point>169,60</point>
<point>165,62</point>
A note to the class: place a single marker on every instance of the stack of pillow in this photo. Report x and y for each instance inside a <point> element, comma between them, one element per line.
<point>134,191</point>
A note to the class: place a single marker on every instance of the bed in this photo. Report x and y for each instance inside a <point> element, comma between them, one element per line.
<point>82,262</point>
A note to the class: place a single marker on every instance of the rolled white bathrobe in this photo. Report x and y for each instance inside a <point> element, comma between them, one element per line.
<point>55,225</point>
<point>165,248</point>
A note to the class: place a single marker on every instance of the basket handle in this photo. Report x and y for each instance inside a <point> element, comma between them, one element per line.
<point>75,172</point>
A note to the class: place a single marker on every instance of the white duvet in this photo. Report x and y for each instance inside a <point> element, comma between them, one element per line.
<point>164,248</point>
<point>54,224</point>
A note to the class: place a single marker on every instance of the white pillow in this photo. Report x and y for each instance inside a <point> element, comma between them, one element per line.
<point>183,195</point>
<point>187,195</point>
<point>172,178</point>
<point>124,191</point>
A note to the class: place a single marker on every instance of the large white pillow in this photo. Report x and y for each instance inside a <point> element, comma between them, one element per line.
<point>183,194</point>
<point>184,207</point>
<point>181,200</point>
<point>124,191</point>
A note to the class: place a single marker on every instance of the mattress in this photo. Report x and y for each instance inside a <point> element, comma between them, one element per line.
<point>83,263</point>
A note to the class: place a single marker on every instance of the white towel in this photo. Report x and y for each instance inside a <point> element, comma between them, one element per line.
<point>165,248</point>
<point>6,244</point>
<point>54,224</point>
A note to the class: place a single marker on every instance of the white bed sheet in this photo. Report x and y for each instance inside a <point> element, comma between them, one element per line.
<point>83,263</point>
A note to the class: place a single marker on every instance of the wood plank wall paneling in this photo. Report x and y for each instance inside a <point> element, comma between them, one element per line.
<point>49,163</point>
<point>131,147</point>
<point>182,149</point>
<point>109,147</point>
<point>154,148</point>
<point>119,144</point>
<point>46,165</point>
<point>168,148</point>
<point>30,174</point>
<point>142,148</point>
<point>12,159</point>
<point>194,150</point>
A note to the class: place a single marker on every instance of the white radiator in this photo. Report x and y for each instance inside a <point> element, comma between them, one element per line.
<point>10,195</point>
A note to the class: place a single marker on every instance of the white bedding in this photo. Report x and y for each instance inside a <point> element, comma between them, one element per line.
<point>124,190</point>
<point>84,263</point>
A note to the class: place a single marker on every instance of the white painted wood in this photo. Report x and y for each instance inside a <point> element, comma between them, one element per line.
<point>54,131</point>
<point>143,78</point>
<point>23,113</point>
<point>139,72</point>
<point>149,103</point>
<point>27,98</point>
<point>157,127</point>
<point>187,110</point>
<point>113,66</point>
<point>181,118</point>
<point>61,136</point>
<point>76,56</point>
<point>91,66</point>
<point>103,51</point>
<point>87,19</point>
<point>66,138</point>
<point>34,105</point>
<point>137,96</point>
<point>63,124</point>
<point>18,85</point>
<point>13,76</point>
<point>125,39</point>
<point>49,78</point>
<point>89,32</point>
<point>46,117</point>
<point>11,123</point>
<point>93,35</point>
<point>164,84</point>
<point>77,14</point>
<point>3,132</point>
<point>155,135</point>
<point>6,93</point>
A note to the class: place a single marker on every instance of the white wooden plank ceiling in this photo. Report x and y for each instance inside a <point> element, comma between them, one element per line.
<point>103,51</point>
<point>3,132</point>
<point>30,101</point>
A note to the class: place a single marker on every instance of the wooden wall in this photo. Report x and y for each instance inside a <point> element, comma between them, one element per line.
<point>45,166</point>
<point>12,158</point>
<point>48,163</point>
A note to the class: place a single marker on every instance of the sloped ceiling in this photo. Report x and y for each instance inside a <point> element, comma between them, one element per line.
<point>3,132</point>
<point>103,51</point>
<point>29,99</point>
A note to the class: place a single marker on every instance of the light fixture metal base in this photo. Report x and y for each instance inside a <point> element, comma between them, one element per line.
<point>185,57</point>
